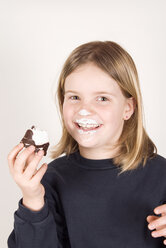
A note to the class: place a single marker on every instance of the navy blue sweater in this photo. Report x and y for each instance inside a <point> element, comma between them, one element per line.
<point>89,205</point>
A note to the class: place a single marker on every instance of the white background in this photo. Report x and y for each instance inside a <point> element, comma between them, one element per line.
<point>35,39</point>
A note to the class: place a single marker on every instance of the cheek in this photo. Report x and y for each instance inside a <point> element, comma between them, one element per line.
<point>67,112</point>
<point>113,115</point>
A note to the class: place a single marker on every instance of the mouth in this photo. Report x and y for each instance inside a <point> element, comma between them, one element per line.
<point>86,129</point>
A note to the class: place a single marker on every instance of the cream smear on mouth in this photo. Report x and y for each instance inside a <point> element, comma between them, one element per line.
<point>87,121</point>
<point>84,130</point>
<point>87,132</point>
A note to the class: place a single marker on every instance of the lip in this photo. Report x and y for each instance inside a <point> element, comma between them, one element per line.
<point>89,129</point>
<point>88,121</point>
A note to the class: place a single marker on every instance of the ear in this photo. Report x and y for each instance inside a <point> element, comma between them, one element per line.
<point>129,108</point>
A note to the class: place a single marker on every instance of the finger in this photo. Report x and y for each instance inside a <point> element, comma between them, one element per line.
<point>159,233</point>
<point>160,221</point>
<point>160,209</point>
<point>32,166</point>
<point>13,154</point>
<point>151,218</point>
<point>39,174</point>
<point>164,242</point>
<point>22,158</point>
<point>29,159</point>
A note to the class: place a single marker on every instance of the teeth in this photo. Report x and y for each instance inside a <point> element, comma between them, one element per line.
<point>88,125</point>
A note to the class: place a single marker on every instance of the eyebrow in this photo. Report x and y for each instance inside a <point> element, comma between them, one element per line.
<point>96,92</point>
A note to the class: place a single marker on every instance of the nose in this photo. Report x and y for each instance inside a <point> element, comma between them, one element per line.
<point>84,112</point>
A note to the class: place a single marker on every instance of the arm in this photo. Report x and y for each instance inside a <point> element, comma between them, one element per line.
<point>37,222</point>
<point>37,229</point>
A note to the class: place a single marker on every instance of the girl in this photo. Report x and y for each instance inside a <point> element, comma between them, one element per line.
<point>105,190</point>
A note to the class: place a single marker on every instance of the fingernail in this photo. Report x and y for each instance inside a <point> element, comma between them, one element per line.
<point>151,227</point>
<point>156,211</point>
<point>31,148</point>
<point>40,153</point>
<point>154,234</point>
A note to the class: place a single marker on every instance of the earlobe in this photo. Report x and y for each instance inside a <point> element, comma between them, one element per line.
<point>130,107</point>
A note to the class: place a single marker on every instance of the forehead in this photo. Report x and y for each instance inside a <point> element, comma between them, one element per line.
<point>89,77</point>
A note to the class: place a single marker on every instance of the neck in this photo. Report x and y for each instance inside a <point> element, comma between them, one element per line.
<point>92,153</point>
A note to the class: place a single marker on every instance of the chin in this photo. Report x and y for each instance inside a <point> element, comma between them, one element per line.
<point>86,143</point>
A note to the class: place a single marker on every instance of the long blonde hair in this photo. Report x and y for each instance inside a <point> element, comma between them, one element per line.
<point>134,144</point>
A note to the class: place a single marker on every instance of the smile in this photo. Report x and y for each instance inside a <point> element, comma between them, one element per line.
<point>88,128</point>
<point>87,125</point>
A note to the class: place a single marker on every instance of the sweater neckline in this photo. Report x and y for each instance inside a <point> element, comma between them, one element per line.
<point>93,164</point>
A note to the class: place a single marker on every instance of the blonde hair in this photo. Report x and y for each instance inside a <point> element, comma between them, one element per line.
<point>134,144</point>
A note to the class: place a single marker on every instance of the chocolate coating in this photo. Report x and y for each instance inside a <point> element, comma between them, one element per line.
<point>27,141</point>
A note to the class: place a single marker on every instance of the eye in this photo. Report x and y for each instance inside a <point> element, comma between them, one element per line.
<point>74,97</point>
<point>103,99</point>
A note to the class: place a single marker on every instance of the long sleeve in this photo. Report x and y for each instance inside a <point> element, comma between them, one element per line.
<point>88,204</point>
<point>42,229</point>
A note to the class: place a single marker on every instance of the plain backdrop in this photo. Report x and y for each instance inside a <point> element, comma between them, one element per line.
<point>35,39</point>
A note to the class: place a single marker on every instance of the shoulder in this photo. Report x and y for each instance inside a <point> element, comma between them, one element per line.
<point>58,162</point>
<point>157,160</point>
<point>57,169</point>
<point>156,165</point>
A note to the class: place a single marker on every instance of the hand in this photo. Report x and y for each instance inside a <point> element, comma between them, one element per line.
<point>23,168</point>
<point>158,223</point>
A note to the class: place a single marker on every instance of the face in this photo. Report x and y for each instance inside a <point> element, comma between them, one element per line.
<point>94,110</point>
